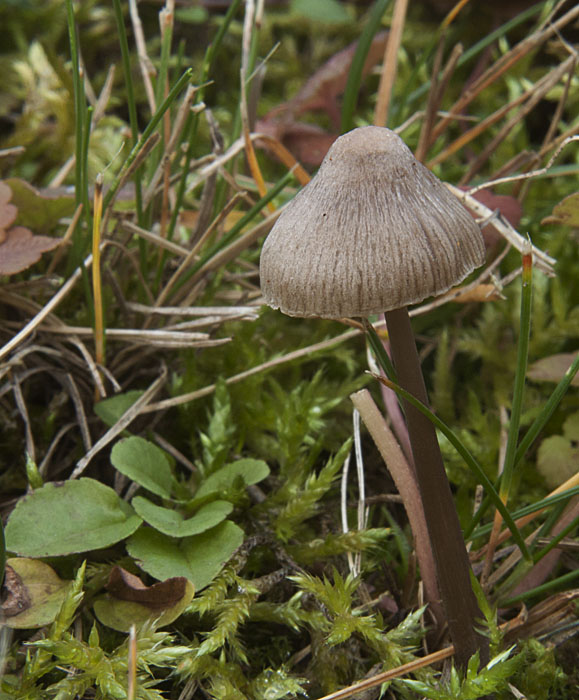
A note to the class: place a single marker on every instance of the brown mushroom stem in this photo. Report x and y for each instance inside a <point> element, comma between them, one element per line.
<point>450,556</point>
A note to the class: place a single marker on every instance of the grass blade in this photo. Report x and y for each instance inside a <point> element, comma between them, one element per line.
<point>521,371</point>
<point>151,126</point>
<point>378,348</point>
<point>230,235</point>
<point>131,102</point>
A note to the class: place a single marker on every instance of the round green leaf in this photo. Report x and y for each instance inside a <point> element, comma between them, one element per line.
<point>558,455</point>
<point>111,409</point>
<point>199,558</point>
<point>144,463</point>
<point>244,471</point>
<point>172,523</point>
<point>64,518</point>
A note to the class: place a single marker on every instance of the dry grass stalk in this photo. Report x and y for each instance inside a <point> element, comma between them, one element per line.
<point>542,261</point>
<point>535,173</point>
<point>405,480</point>
<point>154,238</point>
<point>435,95</point>
<point>503,65</point>
<point>390,63</point>
<point>172,140</point>
<point>540,89</point>
<point>46,310</point>
<point>145,63</point>
<point>248,34</point>
<point>126,419</point>
<point>192,254</point>
<point>157,337</point>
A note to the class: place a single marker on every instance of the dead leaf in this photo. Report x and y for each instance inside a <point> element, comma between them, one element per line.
<point>21,249</point>
<point>16,597</point>
<point>480,293</point>
<point>126,586</point>
<point>553,368</point>
<point>321,90</point>
<point>130,602</point>
<point>308,143</point>
<point>34,593</point>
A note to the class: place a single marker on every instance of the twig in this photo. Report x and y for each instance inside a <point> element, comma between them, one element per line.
<point>389,675</point>
<point>542,261</point>
<point>525,176</point>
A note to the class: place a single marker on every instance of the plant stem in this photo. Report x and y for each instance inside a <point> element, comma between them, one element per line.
<point>450,556</point>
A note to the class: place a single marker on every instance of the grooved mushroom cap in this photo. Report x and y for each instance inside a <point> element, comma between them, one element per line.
<point>373,231</point>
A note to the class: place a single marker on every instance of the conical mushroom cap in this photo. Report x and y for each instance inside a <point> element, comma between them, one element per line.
<point>373,231</point>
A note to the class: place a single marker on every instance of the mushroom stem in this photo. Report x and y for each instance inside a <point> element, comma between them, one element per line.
<point>450,555</point>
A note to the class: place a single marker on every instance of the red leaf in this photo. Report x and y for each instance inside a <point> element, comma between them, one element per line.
<point>21,249</point>
<point>508,206</point>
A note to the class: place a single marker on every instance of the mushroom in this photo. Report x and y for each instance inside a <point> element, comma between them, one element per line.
<point>373,232</point>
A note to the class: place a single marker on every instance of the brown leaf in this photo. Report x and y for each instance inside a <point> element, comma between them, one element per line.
<point>309,144</point>
<point>8,212</point>
<point>16,597</point>
<point>322,89</point>
<point>552,369</point>
<point>306,142</point>
<point>160,596</point>
<point>21,249</point>
<point>33,594</point>
<point>480,293</point>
